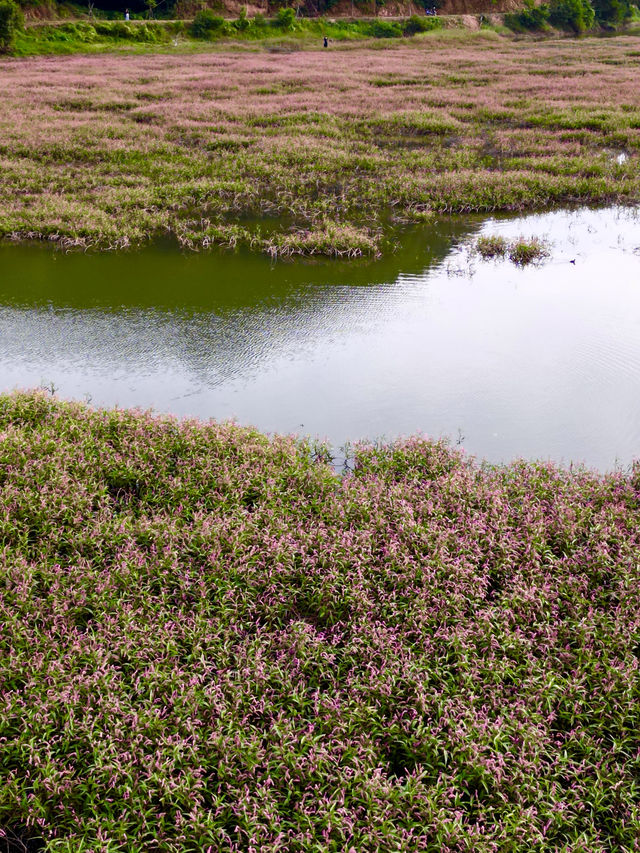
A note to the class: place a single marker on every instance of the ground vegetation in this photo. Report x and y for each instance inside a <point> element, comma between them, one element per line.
<point>118,149</point>
<point>90,35</point>
<point>213,641</point>
<point>522,251</point>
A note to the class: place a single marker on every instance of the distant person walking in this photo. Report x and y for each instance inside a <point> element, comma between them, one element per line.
<point>126,14</point>
<point>325,42</point>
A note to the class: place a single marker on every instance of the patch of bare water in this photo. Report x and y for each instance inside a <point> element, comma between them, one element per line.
<point>541,361</point>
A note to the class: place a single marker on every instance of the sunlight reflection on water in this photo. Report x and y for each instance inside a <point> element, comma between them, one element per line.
<point>537,362</point>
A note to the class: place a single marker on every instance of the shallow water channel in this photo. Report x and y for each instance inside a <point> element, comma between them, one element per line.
<point>539,362</point>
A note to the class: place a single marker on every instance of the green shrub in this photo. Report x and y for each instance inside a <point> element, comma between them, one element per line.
<point>10,23</point>
<point>242,23</point>
<point>156,32</point>
<point>421,24</point>
<point>523,252</point>
<point>492,246</point>
<point>114,29</point>
<point>207,24</point>
<point>385,29</point>
<point>577,15</point>
<point>79,31</point>
<point>530,17</point>
<point>85,32</point>
<point>150,31</point>
<point>286,18</point>
<point>174,28</point>
<point>612,11</point>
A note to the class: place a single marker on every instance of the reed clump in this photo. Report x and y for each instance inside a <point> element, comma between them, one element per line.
<point>492,246</point>
<point>522,251</point>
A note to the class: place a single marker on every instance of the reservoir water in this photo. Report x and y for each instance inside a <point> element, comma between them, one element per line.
<point>535,362</point>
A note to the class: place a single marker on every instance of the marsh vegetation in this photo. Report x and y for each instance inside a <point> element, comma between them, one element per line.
<point>211,639</point>
<point>213,642</point>
<point>114,150</point>
<point>521,250</point>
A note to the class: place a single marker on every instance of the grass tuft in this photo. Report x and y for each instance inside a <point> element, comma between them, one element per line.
<point>492,246</point>
<point>523,251</point>
<point>331,239</point>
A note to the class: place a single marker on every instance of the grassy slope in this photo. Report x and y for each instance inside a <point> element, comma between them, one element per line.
<point>113,149</point>
<point>89,35</point>
<point>211,641</point>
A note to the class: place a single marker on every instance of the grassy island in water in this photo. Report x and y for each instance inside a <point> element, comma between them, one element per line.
<point>291,150</point>
<point>210,641</point>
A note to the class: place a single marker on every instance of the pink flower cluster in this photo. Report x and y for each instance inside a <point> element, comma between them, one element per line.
<point>211,640</point>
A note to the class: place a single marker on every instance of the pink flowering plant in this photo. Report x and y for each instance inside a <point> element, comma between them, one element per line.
<point>211,641</point>
<point>113,150</point>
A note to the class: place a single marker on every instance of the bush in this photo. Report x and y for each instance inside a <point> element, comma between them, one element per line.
<point>611,11</point>
<point>174,28</point>
<point>10,23</point>
<point>385,30</point>
<point>577,15</point>
<point>75,32</point>
<point>85,32</point>
<point>286,17</point>
<point>152,32</point>
<point>531,17</point>
<point>523,252</point>
<point>114,30</point>
<point>420,24</point>
<point>492,246</point>
<point>143,32</point>
<point>206,24</point>
<point>520,252</point>
<point>242,23</point>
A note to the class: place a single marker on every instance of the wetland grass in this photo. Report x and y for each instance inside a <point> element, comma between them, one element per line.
<point>521,251</point>
<point>525,251</point>
<point>212,641</point>
<point>112,150</point>
<point>492,246</point>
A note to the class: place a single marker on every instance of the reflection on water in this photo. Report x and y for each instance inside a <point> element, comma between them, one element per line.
<point>537,362</point>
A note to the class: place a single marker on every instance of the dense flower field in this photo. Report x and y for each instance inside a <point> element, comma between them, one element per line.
<point>211,641</point>
<point>111,150</point>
